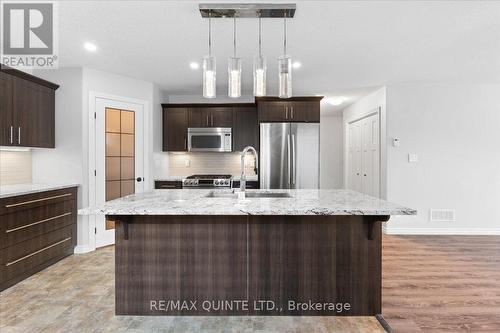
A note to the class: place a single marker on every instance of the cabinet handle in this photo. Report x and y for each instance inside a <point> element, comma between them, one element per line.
<point>11,134</point>
<point>36,252</point>
<point>167,186</point>
<point>185,143</point>
<point>207,120</point>
<point>291,112</point>
<point>19,134</point>
<point>212,117</point>
<point>286,112</point>
<point>37,222</point>
<point>37,200</point>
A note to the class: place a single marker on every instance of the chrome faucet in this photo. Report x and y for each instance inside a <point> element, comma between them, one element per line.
<point>243,178</point>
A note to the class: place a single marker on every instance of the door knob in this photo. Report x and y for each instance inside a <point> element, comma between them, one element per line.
<point>139,179</point>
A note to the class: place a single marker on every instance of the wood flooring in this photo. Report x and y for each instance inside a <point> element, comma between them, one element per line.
<point>77,295</point>
<point>430,284</point>
<point>441,283</point>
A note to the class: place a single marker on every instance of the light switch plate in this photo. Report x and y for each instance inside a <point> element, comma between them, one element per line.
<point>412,158</point>
<point>187,163</point>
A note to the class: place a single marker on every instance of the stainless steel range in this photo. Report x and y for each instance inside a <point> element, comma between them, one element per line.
<point>208,181</point>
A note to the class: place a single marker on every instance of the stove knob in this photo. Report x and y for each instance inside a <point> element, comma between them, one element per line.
<point>217,183</point>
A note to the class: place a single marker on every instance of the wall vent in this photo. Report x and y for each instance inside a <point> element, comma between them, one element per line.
<point>442,215</point>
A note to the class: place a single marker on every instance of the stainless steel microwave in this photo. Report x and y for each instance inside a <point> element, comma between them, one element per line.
<point>216,139</point>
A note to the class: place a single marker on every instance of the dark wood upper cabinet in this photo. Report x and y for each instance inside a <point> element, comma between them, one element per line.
<point>175,125</point>
<point>304,111</point>
<point>245,128</point>
<point>6,115</point>
<point>221,117</point>
<point>243,118</point>
<point>34,116</point>
<point>273,111</point>
<point>210,117</point>
<point>296,109</point>
<point>29,104</point>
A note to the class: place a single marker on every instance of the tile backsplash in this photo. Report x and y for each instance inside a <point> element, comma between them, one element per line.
<point>15,167</point>
<point>186,164</point>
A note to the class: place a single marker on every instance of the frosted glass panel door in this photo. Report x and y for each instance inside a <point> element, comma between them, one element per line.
<point>119,159</point>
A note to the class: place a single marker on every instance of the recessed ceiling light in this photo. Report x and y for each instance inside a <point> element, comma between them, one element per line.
<point>194,65</point>
<point>336,101</point>
<point>296,64</point>
<point>91,47</point>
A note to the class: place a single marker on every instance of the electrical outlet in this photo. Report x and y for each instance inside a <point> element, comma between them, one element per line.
<point>187,163</point>
<point>412,158</point>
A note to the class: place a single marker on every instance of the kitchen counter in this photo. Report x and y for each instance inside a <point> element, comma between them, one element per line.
<point>300,202</point>
<point>258,256</point>
<point>22,189</point>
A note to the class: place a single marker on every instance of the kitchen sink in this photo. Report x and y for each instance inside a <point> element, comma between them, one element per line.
<point>249,195</point>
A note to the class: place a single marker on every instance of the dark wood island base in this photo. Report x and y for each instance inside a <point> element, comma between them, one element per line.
<point>248,265</point>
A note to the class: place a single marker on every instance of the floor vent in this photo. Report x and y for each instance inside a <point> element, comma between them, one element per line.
<point>442,215</point>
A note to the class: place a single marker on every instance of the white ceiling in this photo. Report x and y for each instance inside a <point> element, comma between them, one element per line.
<point>346,47</point>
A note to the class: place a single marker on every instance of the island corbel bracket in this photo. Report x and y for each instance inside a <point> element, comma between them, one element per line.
<point>371,220</point>
<point>125,219</point>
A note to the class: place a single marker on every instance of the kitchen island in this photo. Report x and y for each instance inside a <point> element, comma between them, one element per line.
<point>277,252</point>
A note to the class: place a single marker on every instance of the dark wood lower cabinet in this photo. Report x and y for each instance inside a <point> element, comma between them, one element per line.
<point>36,230</point>
<point>248,265</point>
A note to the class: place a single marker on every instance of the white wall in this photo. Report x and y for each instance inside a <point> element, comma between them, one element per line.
<point>359,109</point>
<point>331,160</point>
<point>455,130</point>
<point>68,162</point>
<point>160,158</point>
<point>64,164</point>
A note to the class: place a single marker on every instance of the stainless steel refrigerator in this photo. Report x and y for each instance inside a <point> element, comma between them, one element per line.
<point>289,156</point>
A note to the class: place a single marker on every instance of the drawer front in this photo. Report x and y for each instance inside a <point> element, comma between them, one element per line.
<point>22,257</point>
<point>22,202</point>
<point>166,185</point>
<point>26,224</point>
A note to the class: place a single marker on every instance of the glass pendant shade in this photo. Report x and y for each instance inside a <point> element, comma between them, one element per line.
<point>259,76</point>
<point>209,77</point>
<point>285,76</point>
<point>234,77</point>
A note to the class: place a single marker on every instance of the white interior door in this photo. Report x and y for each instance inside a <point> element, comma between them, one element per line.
<point>363,164</point>
<point>119,139</point>
<point>354,157</point>
<point>371,156</point>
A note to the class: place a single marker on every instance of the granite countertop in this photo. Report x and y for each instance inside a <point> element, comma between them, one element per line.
<point>7,191</point>
<point>301,202</point>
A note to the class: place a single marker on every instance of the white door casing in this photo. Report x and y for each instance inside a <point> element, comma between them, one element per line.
<point>98,235</point>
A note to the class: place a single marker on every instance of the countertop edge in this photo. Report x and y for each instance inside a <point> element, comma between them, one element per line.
<point>24,191</point>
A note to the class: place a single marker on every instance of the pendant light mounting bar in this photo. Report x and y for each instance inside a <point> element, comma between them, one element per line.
<point>246,10</point>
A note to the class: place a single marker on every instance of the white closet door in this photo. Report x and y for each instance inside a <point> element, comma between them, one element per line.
<point>371,156</point>
<point>364,156</point>
<point>355,157</point>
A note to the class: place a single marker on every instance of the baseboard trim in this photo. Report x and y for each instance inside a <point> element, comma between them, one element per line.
<point>442,231</point>
<point>79,249</point>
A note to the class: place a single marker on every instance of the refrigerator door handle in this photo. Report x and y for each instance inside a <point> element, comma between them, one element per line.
<point>289,159</point>
<point>294,161</point>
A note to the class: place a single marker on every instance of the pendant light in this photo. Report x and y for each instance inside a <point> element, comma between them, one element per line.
<point>259,67</point>
<point>285,69</point>
<point>234,69</point>
<point>209,67</point>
